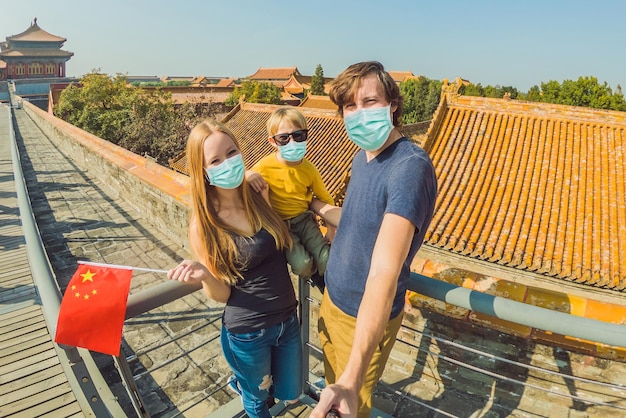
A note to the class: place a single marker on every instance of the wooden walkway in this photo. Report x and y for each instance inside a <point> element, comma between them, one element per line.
<point>32,379</point>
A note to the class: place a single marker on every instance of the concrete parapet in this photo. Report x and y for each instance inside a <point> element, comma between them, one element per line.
<point>161,195</point>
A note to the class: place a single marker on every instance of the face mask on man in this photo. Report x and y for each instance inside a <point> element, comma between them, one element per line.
<point>227,175</point>
<point>293,151</point>
<point>370,127</point>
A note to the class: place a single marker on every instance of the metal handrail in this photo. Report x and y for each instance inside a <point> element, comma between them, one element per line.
<point>86,380</point>
<point>521,313</point>
<point>495,306</point>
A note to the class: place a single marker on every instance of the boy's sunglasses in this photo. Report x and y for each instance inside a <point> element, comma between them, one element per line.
<point>298,136</point>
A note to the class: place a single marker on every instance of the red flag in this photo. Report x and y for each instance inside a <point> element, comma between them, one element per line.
<point>93,308</point>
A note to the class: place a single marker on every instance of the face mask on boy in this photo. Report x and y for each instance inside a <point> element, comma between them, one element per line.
<point>227,175</point>
<point>369,128</point>
<point>293,151</point>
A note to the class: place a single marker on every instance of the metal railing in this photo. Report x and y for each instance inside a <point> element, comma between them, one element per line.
<point>103,403</point>
<point>517,312</point>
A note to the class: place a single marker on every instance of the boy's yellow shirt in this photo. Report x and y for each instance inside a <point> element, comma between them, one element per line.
<point>292,187</point>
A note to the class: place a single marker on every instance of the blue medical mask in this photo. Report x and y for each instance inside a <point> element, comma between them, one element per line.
<point>293,151</point>
<point>369,127</point>
<point>228,174</point>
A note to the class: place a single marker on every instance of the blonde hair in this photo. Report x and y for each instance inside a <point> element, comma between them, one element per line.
<point>288,113</point>
<point>220,251</point>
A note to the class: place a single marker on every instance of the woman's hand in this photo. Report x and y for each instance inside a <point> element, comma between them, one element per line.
<point>193,272</point>
<point>256,181</point>
<point>189,271</point>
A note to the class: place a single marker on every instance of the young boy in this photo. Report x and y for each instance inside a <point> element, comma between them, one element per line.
<point>293,182</point>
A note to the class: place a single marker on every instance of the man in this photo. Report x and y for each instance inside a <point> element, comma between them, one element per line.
<point>388,206</point>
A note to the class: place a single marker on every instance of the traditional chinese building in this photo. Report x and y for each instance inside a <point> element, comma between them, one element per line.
<point>33,53</point>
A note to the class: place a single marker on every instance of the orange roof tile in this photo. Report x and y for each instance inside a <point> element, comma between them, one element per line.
<point>533,186</point>
<point>274,73</point>
<point>297,85</point>
<point>318,102</point>
<point>399,76</point>
<point>226,82</point>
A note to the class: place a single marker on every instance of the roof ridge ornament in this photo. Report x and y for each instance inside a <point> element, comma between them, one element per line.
<point>451,89</point>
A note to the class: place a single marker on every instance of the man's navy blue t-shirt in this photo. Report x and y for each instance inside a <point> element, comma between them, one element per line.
<point>400,180</point>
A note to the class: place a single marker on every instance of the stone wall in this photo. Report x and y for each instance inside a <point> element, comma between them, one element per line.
<point>158,193</point>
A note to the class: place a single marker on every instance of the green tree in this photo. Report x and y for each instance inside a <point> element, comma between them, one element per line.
<point>144,122</point>
<point>617,100</point>
<point>586,91</point>
<point>511,90</point>
<point>421,98</point>
<point>99,104</point>
<point>534,94</point>
<point>550,91</point>
<point>432,98</point>
<point>317,81</point>
<point>255,92</point>
<point>472,90</point>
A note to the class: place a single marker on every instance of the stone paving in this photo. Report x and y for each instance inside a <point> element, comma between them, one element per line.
<point>174,351</point>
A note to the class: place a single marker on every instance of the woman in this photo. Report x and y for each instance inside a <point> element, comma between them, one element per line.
<point>240,244</point>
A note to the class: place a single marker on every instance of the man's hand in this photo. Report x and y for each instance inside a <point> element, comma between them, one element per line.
<point>339,398</point>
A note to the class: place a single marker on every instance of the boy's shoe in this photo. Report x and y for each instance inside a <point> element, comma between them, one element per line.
<point>317,280</point>
<point>233,385</point>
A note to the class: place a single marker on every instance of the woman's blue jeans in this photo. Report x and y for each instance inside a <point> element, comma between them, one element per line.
<point>266,362</point>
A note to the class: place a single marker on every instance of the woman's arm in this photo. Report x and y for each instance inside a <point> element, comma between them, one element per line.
<point>190,271</point>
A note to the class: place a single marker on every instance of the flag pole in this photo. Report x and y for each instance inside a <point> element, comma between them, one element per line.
<point>89,263</point>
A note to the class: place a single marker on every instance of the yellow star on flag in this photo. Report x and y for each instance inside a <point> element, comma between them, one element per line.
<point>88,276</point>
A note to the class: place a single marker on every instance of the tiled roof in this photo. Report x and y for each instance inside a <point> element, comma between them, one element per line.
<point>399,76</point>
<point>35,33</point>
<point>318,102</point>
<point>328,146</point>
<point>226,82</point>
<point>274,73</point>
<point>534,186</point>
<point>167,78</point>
<point>297,85</point>
<point>35,52</point>
<point>200,81</point>
<point>289,98</point>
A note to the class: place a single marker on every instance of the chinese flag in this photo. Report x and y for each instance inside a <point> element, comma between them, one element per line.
<point>93,308</point>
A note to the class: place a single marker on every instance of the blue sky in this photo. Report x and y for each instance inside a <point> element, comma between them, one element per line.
<point>512,43</point>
